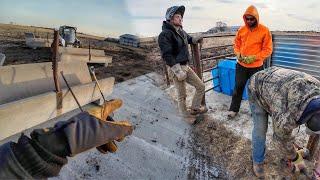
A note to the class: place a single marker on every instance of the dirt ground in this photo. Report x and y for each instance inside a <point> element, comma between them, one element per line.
<point>226,143</point>
<point>128,62</point>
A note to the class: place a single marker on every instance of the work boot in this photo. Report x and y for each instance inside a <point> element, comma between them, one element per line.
<point>231,114</point>
<point>258,170</point>
<point>201,110</point>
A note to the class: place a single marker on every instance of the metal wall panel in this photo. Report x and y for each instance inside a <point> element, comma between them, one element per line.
<point>298,52</point>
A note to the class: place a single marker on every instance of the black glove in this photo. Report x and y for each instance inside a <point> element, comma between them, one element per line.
<point>80,133</point>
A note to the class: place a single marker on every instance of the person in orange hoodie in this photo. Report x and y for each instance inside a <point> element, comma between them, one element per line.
<point>252,45</point>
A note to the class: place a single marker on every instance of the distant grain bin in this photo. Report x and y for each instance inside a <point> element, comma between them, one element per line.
<point>129,40</point>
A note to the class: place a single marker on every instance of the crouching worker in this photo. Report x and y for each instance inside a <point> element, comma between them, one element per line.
<point>173,42</point>
<point>44,154</point>
<point>292,99</point>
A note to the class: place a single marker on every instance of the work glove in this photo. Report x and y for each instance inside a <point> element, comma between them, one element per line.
<point>197,39</point>
<point>103,113</point>
<point>298,164</point>
<point>239,57</point>
<point>180,73</point>
<point>248,59</point>
<point>83,132</point>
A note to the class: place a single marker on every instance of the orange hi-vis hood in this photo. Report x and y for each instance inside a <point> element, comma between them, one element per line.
<point>253,42</point>
<point>252,11</point>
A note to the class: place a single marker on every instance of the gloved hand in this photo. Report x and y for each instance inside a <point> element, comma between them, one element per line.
<point>102,113</point>
<point>179,72</point>
<point>239,57</point>
<point>83,132</point>
<point>298,164</point>
<point>248,59</point>
<point>197,39</point>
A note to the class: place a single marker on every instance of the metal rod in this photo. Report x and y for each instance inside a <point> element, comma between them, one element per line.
<point>74,96</point>
<point>219,35</point>
<point>210,79</point>
<point>211,88</point>
<point>200,47</point>
<point>89,51</point>
<point>213,47</point>
<point>97,82</point>
<point>197,65</point>
<point>55,61</point>
<point>218,57</point>
<point>210,69</point>
<point>55,55</point>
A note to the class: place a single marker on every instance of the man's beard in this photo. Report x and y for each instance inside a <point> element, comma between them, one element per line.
<point>254,24</point>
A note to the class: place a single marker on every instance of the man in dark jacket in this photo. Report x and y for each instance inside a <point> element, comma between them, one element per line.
<point>44,154</point>
<point>292,99</point>
<point>173,42</point>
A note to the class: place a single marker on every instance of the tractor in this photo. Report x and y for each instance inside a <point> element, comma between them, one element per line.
<point>68,36</point>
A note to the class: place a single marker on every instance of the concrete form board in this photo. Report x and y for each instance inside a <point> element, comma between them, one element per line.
<point>27,80</point>
<point>66,58</point>
<point>38,42</point>
<point>22,114</point>
<point>80,51</point>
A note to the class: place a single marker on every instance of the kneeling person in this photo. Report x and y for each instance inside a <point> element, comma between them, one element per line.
<point>291,98</point>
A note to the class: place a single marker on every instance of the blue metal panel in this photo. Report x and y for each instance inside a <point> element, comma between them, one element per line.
<point>298,52</point>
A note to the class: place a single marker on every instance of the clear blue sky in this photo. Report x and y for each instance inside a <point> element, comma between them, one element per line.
<point>144,17</point>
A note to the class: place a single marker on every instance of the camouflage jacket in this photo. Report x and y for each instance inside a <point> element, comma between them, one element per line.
<point>284,94</point>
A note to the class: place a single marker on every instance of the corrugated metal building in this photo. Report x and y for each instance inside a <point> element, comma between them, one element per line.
<point>129,40</point>
<point>298,52</point>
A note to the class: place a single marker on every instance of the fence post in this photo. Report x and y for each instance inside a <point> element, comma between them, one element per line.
<point>197,64</point>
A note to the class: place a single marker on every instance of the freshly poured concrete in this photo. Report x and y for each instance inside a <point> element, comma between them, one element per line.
<point>155,150</point>
<point>159,148</point>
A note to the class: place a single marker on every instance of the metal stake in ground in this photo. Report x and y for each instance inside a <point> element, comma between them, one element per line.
<point>91,69</point>
<point>96,80</point>
<point>55,68</point>
<point>75,98</point>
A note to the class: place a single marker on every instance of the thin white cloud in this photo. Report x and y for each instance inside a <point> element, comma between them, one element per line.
<point>201,15</point>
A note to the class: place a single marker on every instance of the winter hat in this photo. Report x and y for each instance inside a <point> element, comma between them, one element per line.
<point>313,125</point>
<point>174,10</point>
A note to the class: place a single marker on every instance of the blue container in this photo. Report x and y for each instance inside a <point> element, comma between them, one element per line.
<point>225,77</point>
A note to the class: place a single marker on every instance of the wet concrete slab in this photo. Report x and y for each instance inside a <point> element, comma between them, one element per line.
<point>155,150</point>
